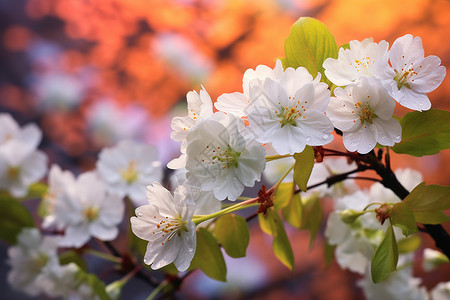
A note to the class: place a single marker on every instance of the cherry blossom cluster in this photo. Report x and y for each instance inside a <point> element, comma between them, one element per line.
<point>279,112</point>
<point>374,78</point>
<point>75,208</point>
<point>36,269</point>
<point>226,147</point>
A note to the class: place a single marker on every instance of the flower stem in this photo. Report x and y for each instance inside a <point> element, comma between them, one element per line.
<point>248,203</point>
<point>283,177</point>
<point>103,255</point>
<point>157,290</point>
<point>275,157</point>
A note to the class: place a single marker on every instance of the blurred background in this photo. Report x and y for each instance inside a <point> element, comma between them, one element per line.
<point>91,73</point>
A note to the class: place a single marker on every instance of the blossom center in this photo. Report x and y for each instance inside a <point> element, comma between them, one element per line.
<point>288,115</point>
<point>366,113</point>
<point>363,65</point>
<point>168,227</point>
<point>91,213</point>
<point>130,174</point>
<point>13,173</point>
<point>38,262</point>
<point>228,158</point>
<point>402,77</point>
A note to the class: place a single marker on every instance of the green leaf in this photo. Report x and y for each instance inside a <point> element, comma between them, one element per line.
<point>384,260</point>
<point>409,244</point>
<point>208,256</point>
<point>429,198</point>
<point>36,190</point>
<point>13,218</point>
<point>428,203</point>
<point>344,46</point>
<point>293,212</point>
<point>424,133</point>
<point>232,232</point>
<point>72,256</point>
<point>304,163</point>
<point>328,253</point>
<point>431,217</point>
<point>403,217</point>
<point>272,224</point>
<point>283,194</point>
<point>312,216</point>
<point>97,286</point>
<point>308,45</point>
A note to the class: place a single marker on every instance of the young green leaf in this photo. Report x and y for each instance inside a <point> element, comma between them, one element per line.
<point>232,233</point>
<point>13,218</point>
<point>292,213</point>
<point>424,133</point>
<point>272,224</point>
<point>328,253</point>
<point>431,217</point>
<point>344,46</point>
<point>312,216</point>
<point>428,203</point>
<point>384,260</point>
<point>283,194</point>
<point>308,45</point>
<point>97,286</point>
<point>403,217</point>
<point>304,163</point>
<point>410,244</point>
<point>208,256</point>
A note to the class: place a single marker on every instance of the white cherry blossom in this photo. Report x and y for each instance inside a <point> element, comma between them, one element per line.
<point>166,223</point>
<point>363,112</point>
<point>128,168</point>
<point>222,158</point>
<point>199,107</point>
<point>410,75</point>
<point>33,256</point>
<point>433,259</point>
<point>354,247</point>
<point>441,291</point>
<point>236,103</point>
<point>59,182</point>
<point>399,285</point>
<point>356,62</point>
<point>290,113</point>
<point>87,210</point>
<point>205,202</point>
<point>21,164</point>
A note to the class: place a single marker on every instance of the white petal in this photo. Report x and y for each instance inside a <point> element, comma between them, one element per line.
<point>430,74</point>
<point>234,103</point>
<point>389,131</point>
<point>187,248</point>
<point>103,232</point>
<point>75,236</point>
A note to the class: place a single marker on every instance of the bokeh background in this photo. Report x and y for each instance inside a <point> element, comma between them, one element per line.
<point>93,72</point>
